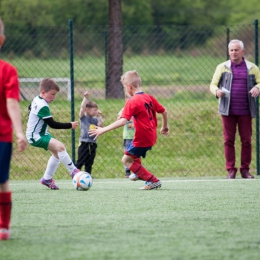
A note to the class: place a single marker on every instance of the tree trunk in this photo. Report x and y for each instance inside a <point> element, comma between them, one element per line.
<point>114,70</point>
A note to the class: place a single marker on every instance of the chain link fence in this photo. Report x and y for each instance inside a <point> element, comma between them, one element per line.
<point>176,64</point>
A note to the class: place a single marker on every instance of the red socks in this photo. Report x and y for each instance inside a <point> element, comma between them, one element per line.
<point>142,173</point>
<point>138,160</point>
<point>5,209</point>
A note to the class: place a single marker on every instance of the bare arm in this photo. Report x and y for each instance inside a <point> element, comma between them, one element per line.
<point>15,115</point>
<point>83,104</point>
<point>99,130</point>
<point>164,128</point>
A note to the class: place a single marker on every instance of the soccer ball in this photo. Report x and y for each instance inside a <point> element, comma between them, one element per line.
<point>133,177</point>
<point>82,181</point>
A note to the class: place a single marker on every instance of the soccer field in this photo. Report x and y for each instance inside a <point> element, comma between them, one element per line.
<point>202,218</point>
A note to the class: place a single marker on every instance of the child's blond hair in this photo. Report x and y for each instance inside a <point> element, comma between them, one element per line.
<point>131,77</point>
<point>49,84</point>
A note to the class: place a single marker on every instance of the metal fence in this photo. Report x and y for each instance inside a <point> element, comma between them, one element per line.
<point>176,64</point>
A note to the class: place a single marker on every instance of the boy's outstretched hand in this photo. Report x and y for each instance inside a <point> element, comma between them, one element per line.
<point>96,132</point>
<point>164,130</point>
<point>86,94</point>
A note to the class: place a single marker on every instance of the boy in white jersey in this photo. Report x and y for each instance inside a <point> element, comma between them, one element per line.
<point>37,132</point>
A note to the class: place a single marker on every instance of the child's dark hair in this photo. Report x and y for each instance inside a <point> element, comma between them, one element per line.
<point>91,104</point>
<point>49,84</point>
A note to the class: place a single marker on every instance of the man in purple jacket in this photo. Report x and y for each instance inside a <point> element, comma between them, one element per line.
<point>236,83</point>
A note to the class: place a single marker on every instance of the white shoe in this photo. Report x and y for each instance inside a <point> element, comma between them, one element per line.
<point>151,185</point>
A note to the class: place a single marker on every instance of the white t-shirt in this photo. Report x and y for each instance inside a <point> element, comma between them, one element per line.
<point>36,127</point>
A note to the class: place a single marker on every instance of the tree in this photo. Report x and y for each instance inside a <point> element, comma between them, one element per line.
<point>114,88</point>
<point>136,12</point>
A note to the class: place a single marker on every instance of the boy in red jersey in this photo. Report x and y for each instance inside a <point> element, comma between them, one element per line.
<point>10,116</point>
<point>143,108</point>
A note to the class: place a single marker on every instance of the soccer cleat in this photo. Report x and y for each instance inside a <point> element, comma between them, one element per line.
<point>133,177</point>
<point>49,183</point>
<point>4,234</point>
<point>151,185</point>
<point>74,173</point>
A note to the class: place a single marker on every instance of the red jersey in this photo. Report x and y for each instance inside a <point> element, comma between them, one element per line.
<point>9,88</point>
<point>143,108</point>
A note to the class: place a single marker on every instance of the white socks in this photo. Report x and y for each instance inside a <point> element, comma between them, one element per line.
<point>52,166</point>
<point>66,160</point>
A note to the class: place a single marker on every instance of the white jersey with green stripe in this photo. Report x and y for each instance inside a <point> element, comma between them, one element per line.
<point>36,127</point>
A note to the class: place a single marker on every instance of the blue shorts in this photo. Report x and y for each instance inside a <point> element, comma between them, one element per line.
<point>127,142</point>
<point>136,151</point>
<point>5,159</point>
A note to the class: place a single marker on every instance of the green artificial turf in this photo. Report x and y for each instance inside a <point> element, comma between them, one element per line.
<point>199,218</point>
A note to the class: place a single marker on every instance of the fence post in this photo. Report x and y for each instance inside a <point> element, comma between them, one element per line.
<point>72,88</point>
<point>257,102</point>
<point>228,37</point>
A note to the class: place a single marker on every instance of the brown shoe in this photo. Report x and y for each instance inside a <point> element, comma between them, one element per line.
<point>246,175</point>
<point>231,174</point>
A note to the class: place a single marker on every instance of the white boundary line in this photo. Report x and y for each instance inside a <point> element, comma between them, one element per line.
<point>121,181</point>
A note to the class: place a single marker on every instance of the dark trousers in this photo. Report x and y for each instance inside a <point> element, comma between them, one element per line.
<point>244,124</point>
<point>86,156</point>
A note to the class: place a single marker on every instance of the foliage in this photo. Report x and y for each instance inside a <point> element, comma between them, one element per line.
<point>35,13</point>
<point>33,26</point>
<point>243,11</point>
<point>189,12</point>
<point>135,12</point>
<point>27,12</point>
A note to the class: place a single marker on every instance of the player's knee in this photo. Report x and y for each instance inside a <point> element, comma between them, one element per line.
<point>127,161</point>
<point>61,147</point>
<point>123,160</point>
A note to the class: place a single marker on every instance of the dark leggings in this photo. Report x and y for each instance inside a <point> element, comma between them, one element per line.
<point>86,156</point>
